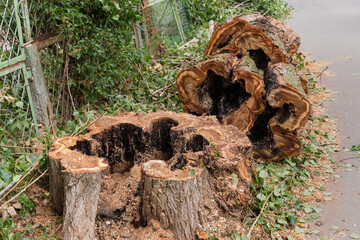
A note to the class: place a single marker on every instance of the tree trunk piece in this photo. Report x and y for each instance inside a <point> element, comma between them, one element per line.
<point>225,86</point>
<point>175,198</point>
<point>256,34</point>
<point>75,183</point>
<point>198,152</point>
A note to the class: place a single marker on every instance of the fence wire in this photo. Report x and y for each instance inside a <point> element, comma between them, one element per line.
<point>17,119</point>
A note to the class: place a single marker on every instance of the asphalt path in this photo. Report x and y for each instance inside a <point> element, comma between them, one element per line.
<point>330,31</point>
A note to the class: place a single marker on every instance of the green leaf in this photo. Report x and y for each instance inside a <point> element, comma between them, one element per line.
<point>299,230</point>
<point>5,175</point>
<point>315,231</point>
<point>116,17</point>
<point>292,220</point>
<point>335,227</point>
<point>355,236</point>
<point>192,173</point>
<point>317,209</point>
<point>327,193</point>
<point>290,237</point>
<point>19,104</point>
<point>349,169</point>
<point>328,198</point>
<point>263,174</point>
<point>261,196</point>
<point>276,192</point>
<point>16,178</point>
<point>106,8</point>
<point>355,147</point>
<point>282,221</point>
<point>306,192</point>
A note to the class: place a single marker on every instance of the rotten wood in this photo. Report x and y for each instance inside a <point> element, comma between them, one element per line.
<point>211,160</point>
<point>256,34</point>
<point>225,86</point>
<point>246,79</point>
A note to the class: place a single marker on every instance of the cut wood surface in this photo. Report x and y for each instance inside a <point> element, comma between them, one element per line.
<point>74,187</point>
<point>247,80</point>
<point>256,34</point>
<point>230,88</point>
<point>187,158</point>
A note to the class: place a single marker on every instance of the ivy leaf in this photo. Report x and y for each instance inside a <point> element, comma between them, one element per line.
<point>116,17</point>
<point>192,173</point>
<point>355,236</point>
<point>261,196</point>
<point>355,147</point>
<point>315,231</point>
<point>299,230</point>
<point>327,198</point>
<point>335,227</point>
<point>292,220</point>
<point>263,174</point>
<point>349,169</point>
<point>276,192</point>
<point>282,221</point>
<point>106,8</point>
<point>5,175</point>
<point>16,178</point>
<point>306,192</point>
<point>19,104</point>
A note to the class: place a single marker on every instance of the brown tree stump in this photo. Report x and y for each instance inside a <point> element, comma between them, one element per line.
<point>75,182</point>
<point>176,199</point>
<point>203,159</point>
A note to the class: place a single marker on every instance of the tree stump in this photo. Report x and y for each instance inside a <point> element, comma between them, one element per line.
<point>202,165</point>
<point>176,198</point>
<point>75,182</point>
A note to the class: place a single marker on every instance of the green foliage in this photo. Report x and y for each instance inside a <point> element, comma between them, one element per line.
<point>6,225</point>
<point>204,11</point>
<point>27,205</point>
<point>278,9</point>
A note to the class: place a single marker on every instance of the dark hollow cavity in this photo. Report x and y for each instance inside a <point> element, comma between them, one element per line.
<point>260,58</point>
<point>260,135</point>
<point>220,96</point>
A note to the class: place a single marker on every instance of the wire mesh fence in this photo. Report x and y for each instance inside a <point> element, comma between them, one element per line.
<point>17,118</point>
<point>165,23</point>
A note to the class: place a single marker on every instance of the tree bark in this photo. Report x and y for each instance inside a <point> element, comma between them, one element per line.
<point>247,80</point>
<point>176,199</point>
<point>74,187</point>
<point>225,86</point>
<point>253,32</point>
<point>201,164</point>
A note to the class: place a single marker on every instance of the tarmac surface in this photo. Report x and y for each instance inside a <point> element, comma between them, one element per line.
<point>330,30</point>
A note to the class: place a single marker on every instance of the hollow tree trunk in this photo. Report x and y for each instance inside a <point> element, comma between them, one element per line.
<point>253,32</point>
<point>245,81</point>
<point>225,86</point>
<point>176,199</point>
